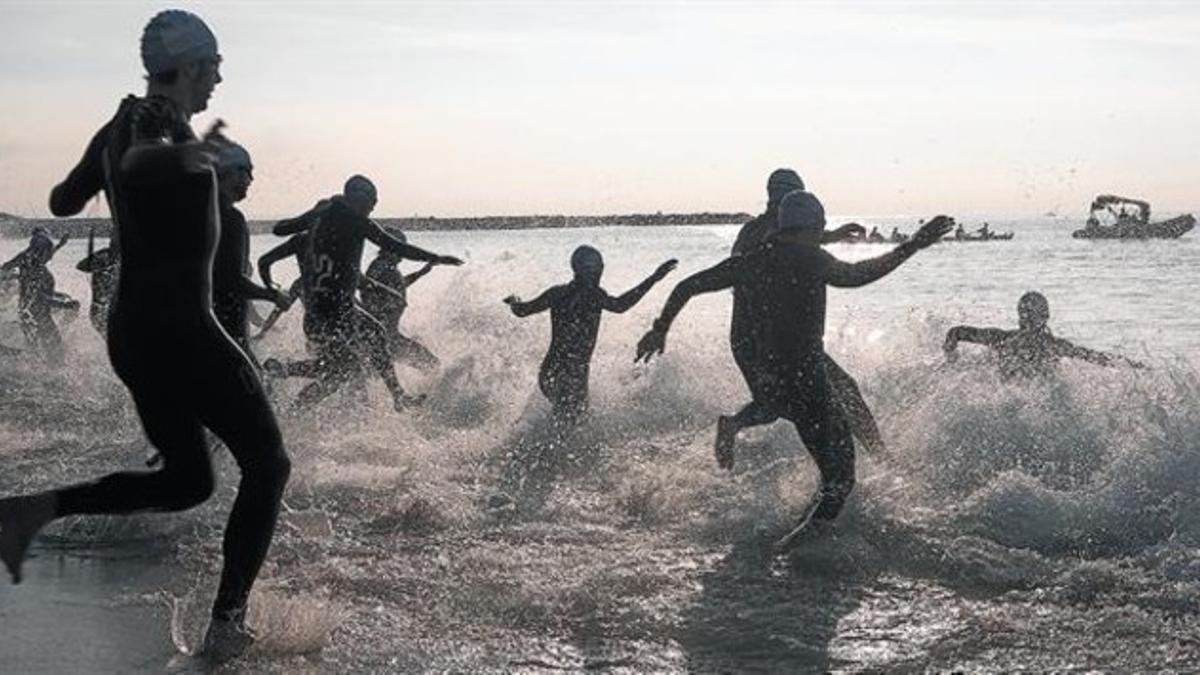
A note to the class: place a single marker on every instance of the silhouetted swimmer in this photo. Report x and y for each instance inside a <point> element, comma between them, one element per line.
<point>102,265</point>
<point>339,328</point>
<point>787,280</point>
<point>183,372</point>
<point>745,324</point>
<point>1031,350</point>
<point>575,310</point>
<point>232,289</point>
<point>384,293</point>
<point>37,297</point>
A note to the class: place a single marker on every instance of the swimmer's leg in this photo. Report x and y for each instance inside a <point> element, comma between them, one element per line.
<point>238,412</point>
<point>827,436</point>
<point>413,353</point>
<point>845,392</point>
<point>184,481</point>
<point>371,337</point>
<point>752,415</point>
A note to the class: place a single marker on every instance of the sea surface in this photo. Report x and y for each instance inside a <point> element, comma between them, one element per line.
<point>1044,526</point>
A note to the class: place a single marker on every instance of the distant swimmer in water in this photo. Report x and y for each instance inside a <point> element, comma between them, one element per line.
<point>575,310</point>
<point>384,293</point>
<point>787,279</point>
<point>37,297</point>
<point>232,289</point>
<point>184,373</point>
<point>102,265</point>
<point>1031,350</point>
<point>746,325</point>
<point>338,328</point>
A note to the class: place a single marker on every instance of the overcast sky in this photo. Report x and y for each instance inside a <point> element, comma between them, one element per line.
<point>518,108</point>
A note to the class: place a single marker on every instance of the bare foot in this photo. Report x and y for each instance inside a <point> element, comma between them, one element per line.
<point>20,520</point>
<point>726,437</point>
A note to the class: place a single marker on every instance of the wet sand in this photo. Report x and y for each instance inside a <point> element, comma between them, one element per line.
<point>85,613</point>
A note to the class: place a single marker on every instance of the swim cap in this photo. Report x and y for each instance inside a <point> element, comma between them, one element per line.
<point>586,259</point>
<point>1033,310</point>
<point>233,156</point>
<point>781,182</point>
<point>802,211</point>
<point>39,231</point>
<point>175,38</point>
<point>41,244</point>
<point>360,185</point>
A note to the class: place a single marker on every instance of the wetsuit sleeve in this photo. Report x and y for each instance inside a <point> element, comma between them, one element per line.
<point>375,234</point>
<point>852,275</point>
<point>628,299</point>
<point>1068,350</point>
<point>14,263</point>
<point>287,249</point>
<point>302,222</point>
<point>719,277</point>
<point>160,144</point>
<point>980,336</point>
<point>549,298</point>
<point>84,181</point>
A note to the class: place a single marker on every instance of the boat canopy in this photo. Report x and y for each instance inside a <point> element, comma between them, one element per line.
<point>1105,201</point>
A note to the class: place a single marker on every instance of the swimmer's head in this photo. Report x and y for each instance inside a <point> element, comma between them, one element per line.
<point>801,217</point>
<point>587,264</point>
<point>360,195</point>
<point>1033,311</point>
<point>235,171</point>
<point>180,55</point>
<point>42,248</point>
<point>781,182</point>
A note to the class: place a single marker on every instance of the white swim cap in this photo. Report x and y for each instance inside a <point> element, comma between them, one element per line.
<point>800,210</point>
<point>360,185</point>
<point>781,182</point>
<point>175,38</point>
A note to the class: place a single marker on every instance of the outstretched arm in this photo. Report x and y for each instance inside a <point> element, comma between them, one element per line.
<point>628,299</point>
<point>85,180</point>
<point>287,249</point>
<point>853,275</point>
<point>302,222</point>
<point>1072,351</point>
<point>980,336</point>
<point>541,303</point>
<point>410,279</point>
<point>375,234</point>
<point>721,276</point>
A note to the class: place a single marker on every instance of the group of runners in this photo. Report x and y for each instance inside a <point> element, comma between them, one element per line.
<point>172,292</point>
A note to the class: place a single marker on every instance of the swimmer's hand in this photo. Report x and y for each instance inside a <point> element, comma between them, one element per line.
<point>950,347</point>
<point>848,231</point>
<point>932,231</point>
<point>1136,365</point>
<point>653,342</point>
<point>62,241</point>
<point>665,268</point>
<point>447,260</point>
<point>512,301</point>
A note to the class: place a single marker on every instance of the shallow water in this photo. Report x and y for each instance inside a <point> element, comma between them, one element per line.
<point>1050,526</point>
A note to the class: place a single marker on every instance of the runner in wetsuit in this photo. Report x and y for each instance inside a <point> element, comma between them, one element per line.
<point>183,371</point>
<point>384,294</point>
<point>575,310</point>
<point>36,298</point>
<point>232,289</point>
<point>102,266</point>
<point>1031,350</point>
<point>744,339</point>
<point>339,328</point>
<point>786,279</point>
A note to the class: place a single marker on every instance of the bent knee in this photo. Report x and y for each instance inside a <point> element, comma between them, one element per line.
<point>188,491</point>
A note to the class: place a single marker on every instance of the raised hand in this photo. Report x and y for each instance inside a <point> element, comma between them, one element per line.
<point>932,231</point>
<point>447,260</point>
<point>665,268</point>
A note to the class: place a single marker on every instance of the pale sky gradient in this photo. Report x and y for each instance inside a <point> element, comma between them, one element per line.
<point>520,108</point>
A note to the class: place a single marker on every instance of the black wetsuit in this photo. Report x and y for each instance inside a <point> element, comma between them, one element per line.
<point>183,371</point>
<point>102,265</point>
<point>785,284</point>
<point>232,289</point>
<point>743,338</point>
<point>575,310</point>
<point>332,320</point>
<point>35,300</point>
<point>388,306</point>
